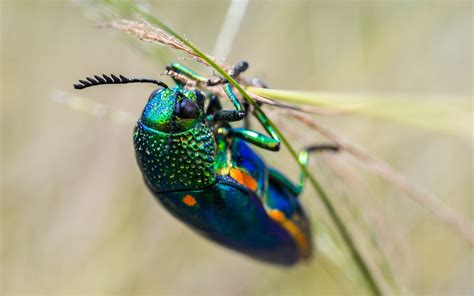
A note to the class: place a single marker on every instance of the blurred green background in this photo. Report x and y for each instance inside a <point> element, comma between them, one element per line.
<point>76,217</point>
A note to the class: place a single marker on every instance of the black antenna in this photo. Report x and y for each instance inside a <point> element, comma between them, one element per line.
<point>112,79</point>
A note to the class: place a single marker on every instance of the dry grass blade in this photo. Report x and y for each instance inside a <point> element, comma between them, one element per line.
<point>146,32</point>
<point>445,214</point>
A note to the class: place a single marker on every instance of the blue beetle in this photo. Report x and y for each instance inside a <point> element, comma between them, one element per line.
<point>202,170</point>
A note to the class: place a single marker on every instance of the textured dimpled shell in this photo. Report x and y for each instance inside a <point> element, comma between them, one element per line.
<point>186,163</point>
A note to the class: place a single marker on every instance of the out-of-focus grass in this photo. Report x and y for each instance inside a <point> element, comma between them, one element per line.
<point>76,217</point>
<point>441,113</point>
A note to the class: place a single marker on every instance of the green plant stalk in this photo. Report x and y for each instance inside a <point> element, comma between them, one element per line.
<point>322,194</point>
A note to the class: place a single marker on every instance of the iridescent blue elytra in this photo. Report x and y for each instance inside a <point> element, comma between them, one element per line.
<point>205,174</point>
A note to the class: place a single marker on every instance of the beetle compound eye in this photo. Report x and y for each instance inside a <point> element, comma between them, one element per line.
<point>188,109</point>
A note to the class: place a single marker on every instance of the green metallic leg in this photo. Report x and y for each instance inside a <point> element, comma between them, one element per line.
<point>178,68</point>
<point>251,136</point>
<point>284,182</point>
<point>303,158</point>
<point>270,143</point>
<point>230,115</point>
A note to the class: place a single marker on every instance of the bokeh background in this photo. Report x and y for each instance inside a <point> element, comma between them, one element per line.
<point>76,217</point>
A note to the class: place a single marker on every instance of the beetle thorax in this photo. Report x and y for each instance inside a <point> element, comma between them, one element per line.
<point>186,161</point>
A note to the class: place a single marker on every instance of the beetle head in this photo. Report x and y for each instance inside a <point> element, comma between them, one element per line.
<point>173,110</point>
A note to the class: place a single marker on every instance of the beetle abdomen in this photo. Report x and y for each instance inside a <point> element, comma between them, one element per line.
<point>233,216</point>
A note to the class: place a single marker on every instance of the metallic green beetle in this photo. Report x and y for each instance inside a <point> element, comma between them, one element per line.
<point>205,174</point>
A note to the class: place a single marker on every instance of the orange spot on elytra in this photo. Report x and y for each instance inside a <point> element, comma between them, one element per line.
<point>300,238</point>
<point>276,215</point>
<point>243,178</point>
<point>189,200</point>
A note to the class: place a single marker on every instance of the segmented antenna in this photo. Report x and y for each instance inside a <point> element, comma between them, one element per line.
<point>112,79</point>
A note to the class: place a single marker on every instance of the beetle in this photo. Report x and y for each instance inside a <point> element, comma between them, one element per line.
<point>205,173</point>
